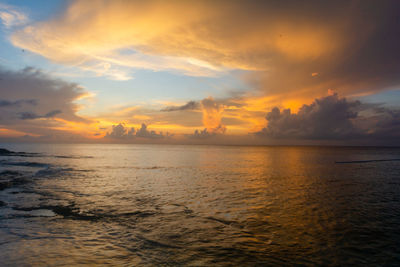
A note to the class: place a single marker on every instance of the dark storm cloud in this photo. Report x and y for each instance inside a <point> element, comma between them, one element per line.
<point>191,105</point>
<point>333,118</point>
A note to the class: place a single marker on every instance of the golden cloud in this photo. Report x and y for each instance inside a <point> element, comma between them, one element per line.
<point>193,37</point>
<point>279,43</point>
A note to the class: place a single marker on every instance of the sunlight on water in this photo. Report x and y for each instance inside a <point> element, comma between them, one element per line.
<point>198,205</point>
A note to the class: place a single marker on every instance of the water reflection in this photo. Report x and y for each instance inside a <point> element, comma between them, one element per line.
<point>202,205</point>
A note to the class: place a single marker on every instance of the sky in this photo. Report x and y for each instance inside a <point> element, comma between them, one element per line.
<point>200,72</point>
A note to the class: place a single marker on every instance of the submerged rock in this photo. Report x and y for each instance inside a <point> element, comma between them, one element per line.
<point>10,178</point>
<point>4,151</point>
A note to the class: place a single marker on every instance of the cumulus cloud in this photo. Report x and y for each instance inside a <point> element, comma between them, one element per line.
<point>333,118</point>
<point>212,115</point>
<point>200,134</point>
<point>121,132</point>
<point>145,133</point>
<point>205,133</point>
<point>191,105</point>
<point>327,117</point>
<point>212,120</point>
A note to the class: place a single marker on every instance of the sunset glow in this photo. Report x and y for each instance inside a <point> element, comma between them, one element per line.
<point>199,133</point>
<point>182,66</point>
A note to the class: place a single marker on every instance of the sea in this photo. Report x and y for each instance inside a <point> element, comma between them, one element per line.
<point>187,205</point>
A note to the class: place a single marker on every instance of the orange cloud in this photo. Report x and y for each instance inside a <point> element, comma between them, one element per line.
<point>279,44</point>
<point>192,37</point>
<point>212,115</point>
<point>4,132</point>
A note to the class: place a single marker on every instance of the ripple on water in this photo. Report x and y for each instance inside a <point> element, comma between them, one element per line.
<point>235,206</point>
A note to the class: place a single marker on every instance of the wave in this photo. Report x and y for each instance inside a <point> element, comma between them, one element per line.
<point>366,161</point>
<point>52,171</point>
<point>155,243</point>
<point>26,164</point>
<point>6,152</point>
<point>141,168</point>
<point>73,157</point>
<point>10,213</point>
<point>149,168</point>
<point>74,213</point>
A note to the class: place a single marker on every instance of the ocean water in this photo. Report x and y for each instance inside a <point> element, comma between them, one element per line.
<point>152,205</point>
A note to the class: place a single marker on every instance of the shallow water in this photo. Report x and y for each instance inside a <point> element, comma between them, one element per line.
<point>152,205</point>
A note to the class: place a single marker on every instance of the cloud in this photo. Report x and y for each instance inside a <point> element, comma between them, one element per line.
<point>334,118</point>
<point>31,95</point>
<point>121,132</point>
<point>327,120</point>
<point>6,103</point>
<point>33,116</point>
<point>10,16</point>
<point>187,118</point>
<point>352,46</point>
<point>291,55</point>
<point>145,133</point>
<point>384,124</point>
<point>327,117</point>
<point>41,92</point>
<point>201,134</point>
<point>206,134</point>
<point>191,105</point>
<point>110,38</point>
<point>212,115</point>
